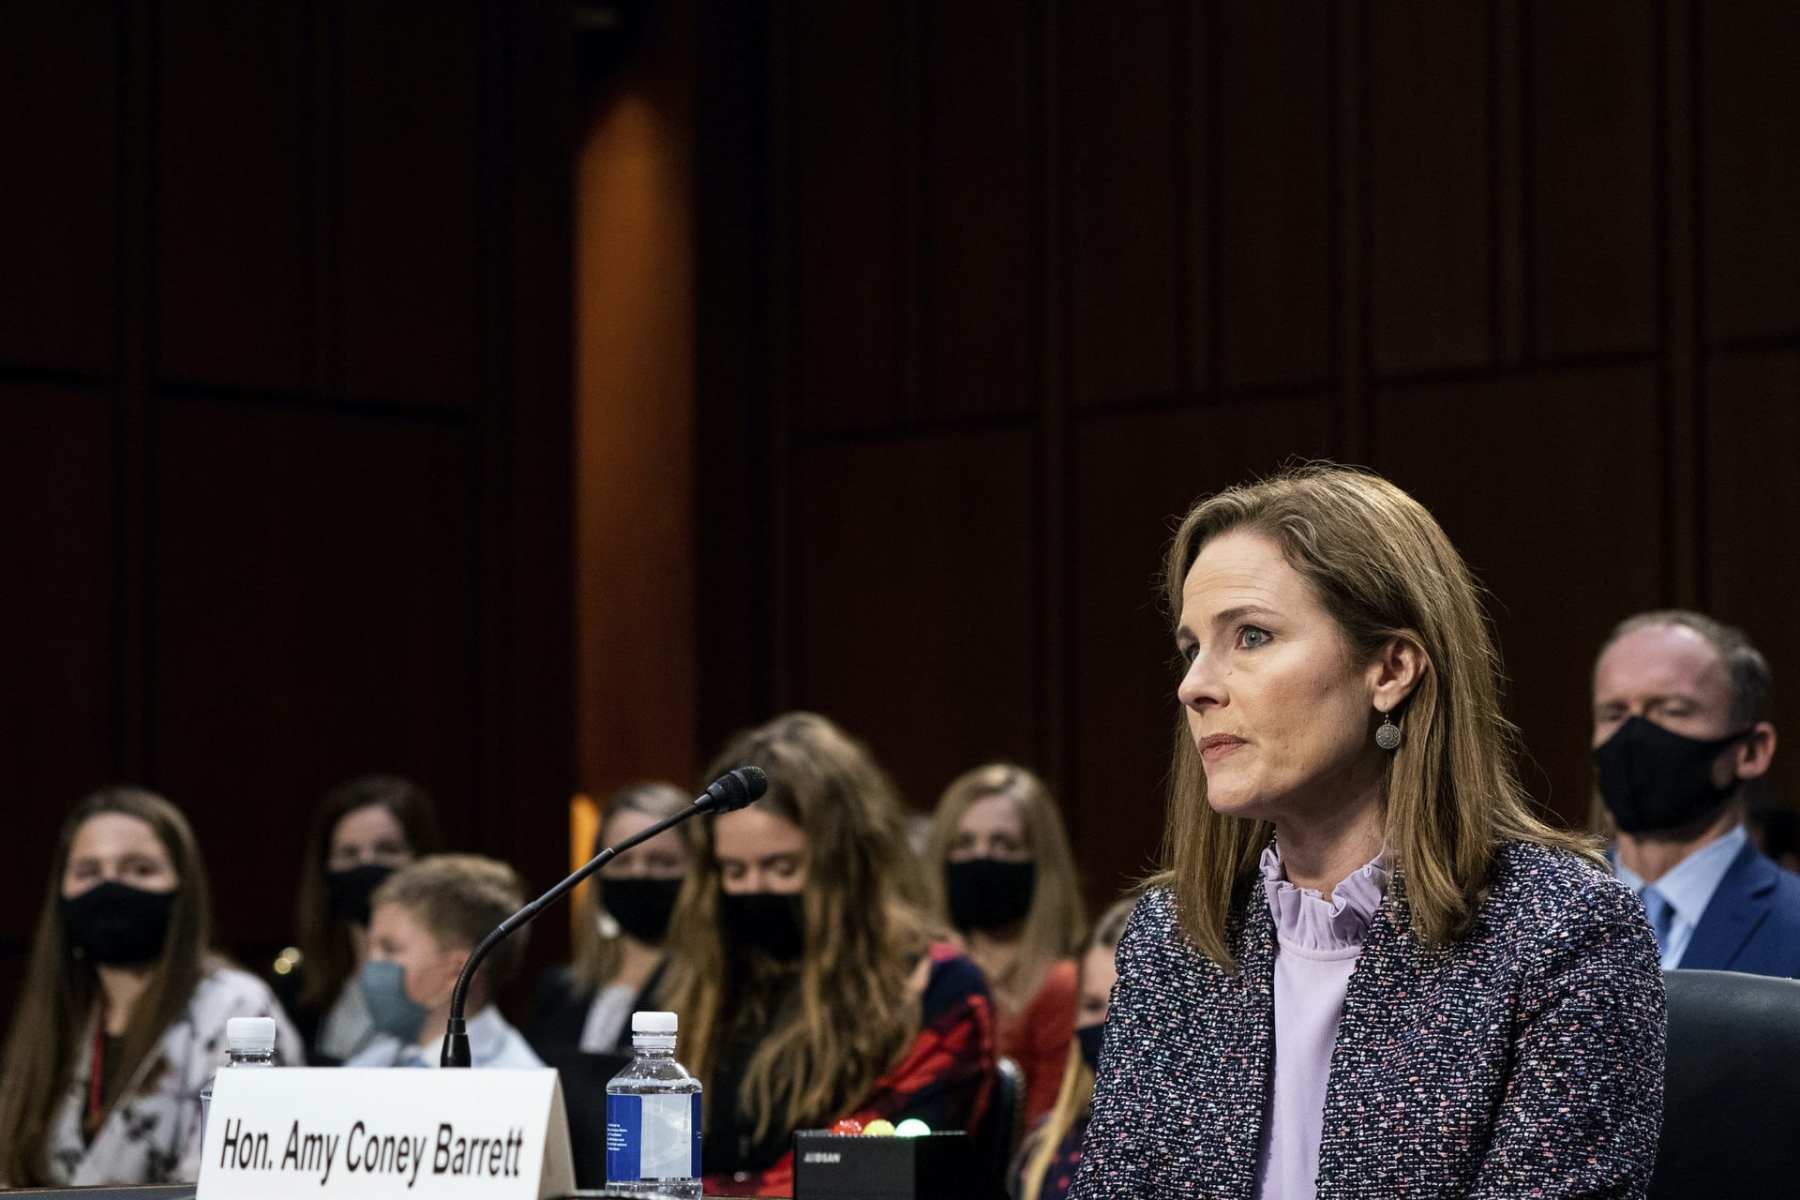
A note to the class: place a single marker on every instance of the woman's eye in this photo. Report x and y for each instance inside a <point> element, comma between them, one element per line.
<point>1250,637</point>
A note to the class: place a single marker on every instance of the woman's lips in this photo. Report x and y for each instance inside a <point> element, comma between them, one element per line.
<point>1218,745</point>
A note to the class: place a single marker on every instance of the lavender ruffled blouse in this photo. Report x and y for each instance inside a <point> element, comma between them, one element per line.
<point>1318,943</point>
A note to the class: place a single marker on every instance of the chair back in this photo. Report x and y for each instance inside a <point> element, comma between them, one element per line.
<point>997,1137</point>
<point>1732,1087</point>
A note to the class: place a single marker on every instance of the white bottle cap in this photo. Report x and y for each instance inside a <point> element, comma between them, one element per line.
<point>653,1022</point>
<point>251,1035</point>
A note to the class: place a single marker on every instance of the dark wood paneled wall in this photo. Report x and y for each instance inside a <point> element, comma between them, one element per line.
<point>989,292</point>
<point>285,423</point>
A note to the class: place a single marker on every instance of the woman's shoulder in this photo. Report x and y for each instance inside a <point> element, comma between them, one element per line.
<point>226,991</point>
<point>950,973</point>
<point>1540,892</point>
<point>1533,870</point>
<point>223,985</point>
<point>1154,924</point>
<point>1061,981</point>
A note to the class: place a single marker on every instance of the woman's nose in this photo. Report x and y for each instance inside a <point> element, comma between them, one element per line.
<point>1199,685</point>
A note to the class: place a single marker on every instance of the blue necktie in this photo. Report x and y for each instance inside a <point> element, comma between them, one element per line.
<point>1662,916</point>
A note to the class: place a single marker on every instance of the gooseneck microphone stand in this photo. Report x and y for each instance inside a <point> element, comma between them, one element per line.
<point>730,791</point>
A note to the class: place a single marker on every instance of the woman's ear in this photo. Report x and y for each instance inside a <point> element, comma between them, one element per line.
<point>1399,666</point>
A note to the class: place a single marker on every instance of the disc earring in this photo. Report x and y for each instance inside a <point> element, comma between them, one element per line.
<point>1388,736</point>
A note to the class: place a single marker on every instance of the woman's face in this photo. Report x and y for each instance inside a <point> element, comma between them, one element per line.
<point>119,848</point>
<point>1098,974</point>
<point>993,827</point>
<point>758,850</point>
<point>370,835</point>
<point>1280,713</point>
<point>664,857</point>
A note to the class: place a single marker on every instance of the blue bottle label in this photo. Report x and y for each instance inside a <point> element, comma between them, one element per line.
<point>652,1137</point>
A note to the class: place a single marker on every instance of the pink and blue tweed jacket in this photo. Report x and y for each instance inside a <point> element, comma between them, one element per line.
<point>1524,1060</point>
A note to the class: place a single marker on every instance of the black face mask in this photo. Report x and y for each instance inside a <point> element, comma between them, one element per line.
<point>642,907</point>
<point>1090,1038</point>
<point>989,893</point>
<point>117,925</point>
<point>1655,780</point>
<point>773,923</point>
<point>348,892</point>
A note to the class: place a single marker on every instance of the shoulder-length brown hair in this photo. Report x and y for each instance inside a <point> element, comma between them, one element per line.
<point>854,1013</point>
<point>1056,923</point>
<point>1076,1096</point>
<point>328,958</point>
<point>62,991</point>
<point>596,958</point>
<point>1384,569</point>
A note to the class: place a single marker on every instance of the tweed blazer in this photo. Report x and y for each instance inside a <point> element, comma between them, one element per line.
<point>1525,1059</point>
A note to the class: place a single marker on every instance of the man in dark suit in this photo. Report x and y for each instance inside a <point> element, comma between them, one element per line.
<point>1680,728</point>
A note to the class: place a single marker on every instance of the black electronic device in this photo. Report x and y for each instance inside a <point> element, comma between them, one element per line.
<point>932,1166</point>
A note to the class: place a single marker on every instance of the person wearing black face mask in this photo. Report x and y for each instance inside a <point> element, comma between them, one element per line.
<point>811,984</point>
<point>364,830</point>
<point>1045,1166</point>
<point>1007,884</point>
<point>1680,731</point>
<point>124,1007</point>
<point>586,1007</point>
<point>581,1019</point>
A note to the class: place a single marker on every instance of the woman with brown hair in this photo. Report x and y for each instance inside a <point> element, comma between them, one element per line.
<point>587,1006</point>
<point>364,830</point>
<point>1002,875</point>
<point>1052,1151</point>
<point>122,1017</point>
<point>1369,968</point>
<point>811,987</point>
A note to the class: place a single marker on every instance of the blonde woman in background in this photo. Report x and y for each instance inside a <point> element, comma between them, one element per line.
<point>811,986</point>
<point>619,958</point>
<point>1002,876</point>
<point>1052,1151</point>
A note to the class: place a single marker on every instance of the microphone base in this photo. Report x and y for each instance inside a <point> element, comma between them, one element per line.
<point>456,1047</point>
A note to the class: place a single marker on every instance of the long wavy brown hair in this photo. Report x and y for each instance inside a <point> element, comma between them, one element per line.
<point>1076,1096</point>
<point>1384,569</point>
<point>328,958</point>
<point>1056,923</point>
<point>827,1035</point>
<point>61,995</point>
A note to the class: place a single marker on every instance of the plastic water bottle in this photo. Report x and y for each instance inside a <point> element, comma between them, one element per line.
<point>249,1042</point>
<point>653,1117</point>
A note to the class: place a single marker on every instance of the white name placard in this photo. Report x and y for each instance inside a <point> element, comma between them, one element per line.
<point>373,1135</point>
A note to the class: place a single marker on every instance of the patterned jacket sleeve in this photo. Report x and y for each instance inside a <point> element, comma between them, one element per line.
<point>1583,1103</point>
<point>1114,1156</point>
<point>228,994</point>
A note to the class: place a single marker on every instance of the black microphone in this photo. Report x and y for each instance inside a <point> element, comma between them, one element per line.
<point>729,792</point>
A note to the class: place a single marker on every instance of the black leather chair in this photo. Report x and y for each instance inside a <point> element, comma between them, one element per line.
<point>1732,1090</point>
<point>997,1138</point>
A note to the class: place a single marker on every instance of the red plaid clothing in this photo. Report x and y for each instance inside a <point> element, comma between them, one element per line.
<point>943,1078</point>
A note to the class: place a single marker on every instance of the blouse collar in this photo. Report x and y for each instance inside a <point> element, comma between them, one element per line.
<point>1308,921</point>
